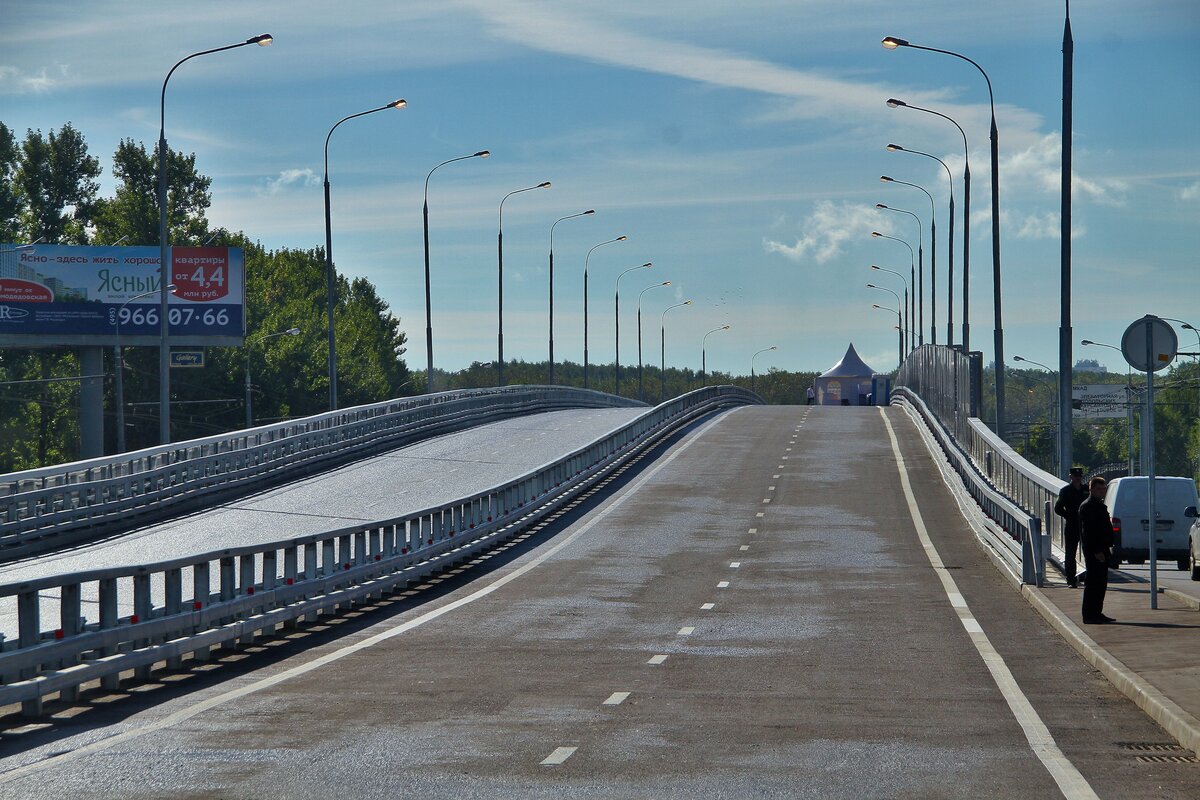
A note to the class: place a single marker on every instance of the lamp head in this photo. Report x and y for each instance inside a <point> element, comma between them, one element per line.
<point>876,305</point>
<point>1187,326</point>
<point>885,179</point>
<point>1087,341</point>
<point>892,148</point>
<point>881,205</point>
<point>874,267</point>
<point>648,264</point>
<point>621,238</point>
<point>894,103</point>
<point>872,286</point>
<point>262,40</point>
<point>773,347</point>
<point>171,288</point>
<point>687,302</point>
<point>892,42</point>
<point>397,103</point>
<point>292,332</point>
<point>876,234</point>
<point>665,283</point>
<point>544,185</point>
<point>1017,358</point>
<point>589,211</point>
<point>481,154</point>
<point>726,327</point>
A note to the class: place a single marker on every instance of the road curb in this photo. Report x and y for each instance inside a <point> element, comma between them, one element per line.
<point>1181,725</point>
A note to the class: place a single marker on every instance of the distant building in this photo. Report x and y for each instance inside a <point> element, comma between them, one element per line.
<point>1090,365</point>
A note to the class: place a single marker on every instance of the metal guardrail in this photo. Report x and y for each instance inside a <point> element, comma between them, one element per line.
<point>175,610</point>
<point>59,505</point>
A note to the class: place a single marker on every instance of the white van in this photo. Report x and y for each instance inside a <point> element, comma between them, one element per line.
<point>1128,506</point>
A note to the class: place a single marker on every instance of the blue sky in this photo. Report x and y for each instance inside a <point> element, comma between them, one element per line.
<point>737,146</point>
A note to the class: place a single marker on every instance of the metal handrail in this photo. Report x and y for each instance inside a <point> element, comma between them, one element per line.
<point>261,586</point>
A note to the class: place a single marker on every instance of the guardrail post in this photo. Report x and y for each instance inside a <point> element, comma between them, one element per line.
<point>228,589</point>
<point>71,623</point>
<point>109,619</point>
<point>310,570</point>
<point>173,592</point>
<point>142,611</point>
<point>29,627</point>
<point>246,588</point>
<point>290,562</point>
<point>201,596</point>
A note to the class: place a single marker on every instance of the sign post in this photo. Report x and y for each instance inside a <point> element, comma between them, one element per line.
<point>1150,345</point>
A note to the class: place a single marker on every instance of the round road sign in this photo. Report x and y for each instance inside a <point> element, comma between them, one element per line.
<point>1149,344</point>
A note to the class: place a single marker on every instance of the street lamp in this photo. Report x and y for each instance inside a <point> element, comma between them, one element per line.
<point>164,243</point>
<point>704,353</point>
<point>899,323</point>
<point>907,326</point>
<point>1128,395</point>
<point>912,261</point>
<point>966,304</point>
<point>921,265</point>
<point>428,304</point>
<point>895,148</point>
<point>1058,461</point>
<point>500,278</point>
<point>916,320</point>
<point>662,351</point>
<point>617,326</point>
<point>330,301</point>
<point>756,355</point>
<point>119,353</point>
<point>891,43</point>
<point>250,344</point>
<point>586,368</point>
<point>897,326</point>
<point>641,384</point>
<point>560,219</point>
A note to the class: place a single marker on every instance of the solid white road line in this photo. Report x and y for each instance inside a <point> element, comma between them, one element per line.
<point>708,606</point>
<point>1070,781</point>
<point>188,712</point>
<point>734,564</point>
<point>559,755</point>
<point>656,660</point>
<point>753,530</point>
<point>687,631</point>
<point>722,584</point>
<point>744,547</point>
<point>616,698</point>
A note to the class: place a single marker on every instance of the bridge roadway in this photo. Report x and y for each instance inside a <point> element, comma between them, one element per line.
<point>753,613</point>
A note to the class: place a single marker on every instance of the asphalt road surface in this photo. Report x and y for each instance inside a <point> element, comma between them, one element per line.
<point>753,613</point>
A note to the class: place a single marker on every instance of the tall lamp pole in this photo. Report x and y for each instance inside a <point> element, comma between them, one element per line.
<point>756,355</point>
<point>900,338</point>
<point>119,352</point>
<point>164,243</point>
<point>912,260</point>
<point>428,304</point>
<point>500,281</point>
<point>550,380</point>
<point>704,353</point>
<point>586,368</point>
<point>662,351</point>
<point>895,148</point>
<point>1066,356</point>
<point>641,383</point>
<point>900,347</point>
<point>249,345</point>
<point>1128,400</point>
<point>1059,461</point>
<point>966,303</point>
<point>330,281</point>
<point>921,265</point>
<point>906,326</point>
<point>917,320</point>
<point>891,43</point>
<point>617,326</point>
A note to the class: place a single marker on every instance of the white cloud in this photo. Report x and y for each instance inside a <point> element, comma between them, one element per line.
<point>1190,192</point>
<point>1044,226</point>
<point>14,81</point>
<point>290,177</point>
<point>828,229</point>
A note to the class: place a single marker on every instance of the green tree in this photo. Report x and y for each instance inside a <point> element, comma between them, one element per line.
<point>56,179</point>
<point>133,210</point>
<point>10,200</point>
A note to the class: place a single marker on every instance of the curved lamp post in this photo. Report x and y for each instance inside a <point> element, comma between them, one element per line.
<point>756,355</point>
<point>119,352</point>
<point>906,328</point>
<point>550,381</point>
<point>1058,462</point>
<point>617,325</point>
<point>500,281</point>
<point>250,344</point>
<point>921,266</point>
<point>912,261</point>
<point>704,353</point>
<point>586,368</point>
<point>164,242</point>
<point>662,351</point>
<point>428,311</point>
<point>899,322</point>
<point>1128,397</point>
<point>895,148</point>
<point>915,320</point>
<point>641,384</point>
<point>897,326</point>
<point>966,305</point>
<point>891,43</point>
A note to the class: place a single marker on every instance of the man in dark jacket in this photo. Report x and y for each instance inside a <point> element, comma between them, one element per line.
<point>1067,507</point>
<point>1096,539</point>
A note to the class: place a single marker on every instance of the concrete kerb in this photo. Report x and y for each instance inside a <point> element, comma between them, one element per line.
<point>1181,725</point>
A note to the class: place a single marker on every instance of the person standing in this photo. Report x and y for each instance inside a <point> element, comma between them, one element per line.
<point>1069,499</point>
<point>1096,538</point>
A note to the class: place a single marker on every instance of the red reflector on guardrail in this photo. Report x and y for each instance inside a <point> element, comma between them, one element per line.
<point>345,566</point>
<point>250,590</point>
<point>58,634</point>
<point>378,557</point>
<point>403,550</point>
<point>196,606</point>
<point>290,581</point>
<point>133,619</point>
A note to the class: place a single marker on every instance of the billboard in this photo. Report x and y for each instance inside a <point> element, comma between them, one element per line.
<point>1099,401</point>
<point>70,295</point>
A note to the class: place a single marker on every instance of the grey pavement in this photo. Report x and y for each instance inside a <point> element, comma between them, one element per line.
<point>750,615</point>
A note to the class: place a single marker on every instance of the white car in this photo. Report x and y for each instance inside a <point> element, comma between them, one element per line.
<point>1129,505</point>
<point>1194,542</point>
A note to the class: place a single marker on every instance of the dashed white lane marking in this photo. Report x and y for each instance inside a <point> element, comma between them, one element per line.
<point>775,476</point>
<point>753,530</point>
<point>708,606</point>
<point>195,709</point>
<point>744,547</point>
<point>1070,782</point>
<point>761,514</point>
<point>767,500</point>
<point>788,450</point>
<point>772,488</point>
<point>785,458</point>
<point>722,584</point>
<point>734,564</point>
<point>616,698</point>
<point>687,631</point>
<point>559,755</point>
<point>656,660</point>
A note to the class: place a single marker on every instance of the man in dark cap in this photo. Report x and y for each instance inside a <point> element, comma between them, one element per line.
<point>1097,540</point>
<point>1069,499</point>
